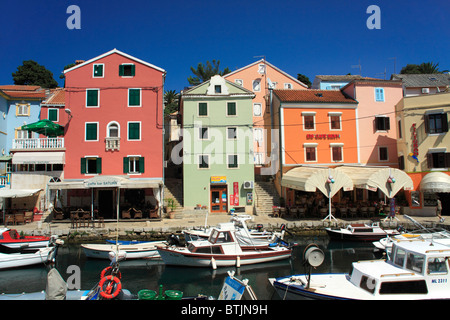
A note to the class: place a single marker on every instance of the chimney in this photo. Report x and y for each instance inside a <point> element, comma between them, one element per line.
<point>79,61</point>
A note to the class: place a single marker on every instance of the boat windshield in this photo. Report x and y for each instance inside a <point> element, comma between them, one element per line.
<point>220,236</point>
<point>437,265</point>
<point>414,262</point>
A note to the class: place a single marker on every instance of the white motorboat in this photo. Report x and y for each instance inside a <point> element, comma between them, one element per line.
<point>360,232</point>
<point>22,259</point>
<point>11,239</point>
<point>247,238</point>
<point>416,270</point>
<point>147,250</point>
<point>221,249</point>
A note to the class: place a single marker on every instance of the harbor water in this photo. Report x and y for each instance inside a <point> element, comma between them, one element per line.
<point>150,274</point>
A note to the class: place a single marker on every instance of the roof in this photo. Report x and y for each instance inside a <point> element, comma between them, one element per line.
<point>423,80</point>
<point>120,53</point>
<point>312,95</point>
<point>241,90</point>
<point>272,66</point>
<point>22,92</point>
<point>56,98</point>
<point>348,77</point>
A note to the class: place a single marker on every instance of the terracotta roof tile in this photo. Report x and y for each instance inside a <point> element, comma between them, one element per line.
<point>23,91</point>
<point>316,96</point>
<point>57,97</point>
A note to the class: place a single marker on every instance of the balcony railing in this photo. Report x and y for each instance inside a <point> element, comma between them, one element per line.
<point>112,144</point>
<point>38,143</point>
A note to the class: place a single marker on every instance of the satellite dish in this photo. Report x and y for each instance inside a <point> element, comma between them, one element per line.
<point>313,256</point>
<point>271,84</point>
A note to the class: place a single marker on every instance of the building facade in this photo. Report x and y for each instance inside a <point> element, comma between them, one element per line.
<point>217,155</point>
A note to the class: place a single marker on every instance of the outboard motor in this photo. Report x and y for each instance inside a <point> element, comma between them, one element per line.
<point>259,227</point>
<point>173,240</point>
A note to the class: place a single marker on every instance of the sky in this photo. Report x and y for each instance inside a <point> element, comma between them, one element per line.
<point>321,37</point>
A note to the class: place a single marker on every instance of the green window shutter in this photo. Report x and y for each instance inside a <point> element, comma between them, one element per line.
<point>91,132</point>
<point>134,131</point>
<point>53,115</point>
<point>126,164</point>
<point>141,165</point>
<point>121,68</point>
<point>231,108</point>
<point>133,70</point>
<point>99,165</point>
<point>83,165</point>
<point>202,109</point>
<point>92,98</point>
<point>134,97</point>
<point>98,70</point>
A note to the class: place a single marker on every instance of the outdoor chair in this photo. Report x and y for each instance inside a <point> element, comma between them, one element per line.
<point>74,219</point>
<point>301,212</point>
<point>58,214</point>
<point>137,214</point>
<point>9,219</point>
<point>28,216</point>
<point>353,212</point>
<point>364,211</point>
<point>293,211</point>
<point>371,211</point>
<point>19,218</point>
<point>343,212</point>
<point>153,214</point>
<point>275,212</point>
<point>126,214</point>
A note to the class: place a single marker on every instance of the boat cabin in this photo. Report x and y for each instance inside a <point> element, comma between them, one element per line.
<point>413,268</point>
<point>222,240</point>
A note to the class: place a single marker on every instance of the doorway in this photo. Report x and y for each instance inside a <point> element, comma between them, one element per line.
<point>219,198</point>
<point>106,203</point>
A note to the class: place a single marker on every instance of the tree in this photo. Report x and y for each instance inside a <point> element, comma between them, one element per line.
<point>171,98</point>
<point>304,79</point>
<point>423,68</point>
<point>205,72</point>
<point>32,73</point>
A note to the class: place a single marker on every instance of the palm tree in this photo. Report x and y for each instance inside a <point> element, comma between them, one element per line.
<point>430,67</point>
<point>204,73</point>
<point>171,98</point>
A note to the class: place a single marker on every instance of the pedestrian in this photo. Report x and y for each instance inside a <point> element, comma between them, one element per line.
<point>439,210</point>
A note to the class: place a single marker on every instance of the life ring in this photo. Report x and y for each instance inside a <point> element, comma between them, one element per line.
<point>110,287</point>
<point>108,271</point>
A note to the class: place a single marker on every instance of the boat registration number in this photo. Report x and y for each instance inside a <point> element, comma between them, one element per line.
<point>439,281</point>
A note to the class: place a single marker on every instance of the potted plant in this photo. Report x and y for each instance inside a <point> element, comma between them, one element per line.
<point>171,204</point>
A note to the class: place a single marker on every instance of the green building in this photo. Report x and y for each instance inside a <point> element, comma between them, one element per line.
<point>218,170</point>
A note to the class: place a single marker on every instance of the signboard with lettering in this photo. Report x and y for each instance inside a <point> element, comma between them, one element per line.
<point>236,193</point>
<point>218,179</point>
<point>321,136</point>
<point>103,182</point>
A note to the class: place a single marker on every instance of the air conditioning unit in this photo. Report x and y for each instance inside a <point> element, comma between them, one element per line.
<point>248,184</point>
<point>425,90</point>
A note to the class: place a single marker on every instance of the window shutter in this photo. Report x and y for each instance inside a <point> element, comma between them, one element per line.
<point>133,70</point>
<point>92,97</point>
<point>121,68</point>
<point>447,159</point>
<point>126,164</point>
<point>429,160</point>
<point>141,165</point>
<point>202,109</point>
<point>426,121</point>
<point>99,165</point>
<point>444,122</point>
<point>133,131</point>
<point>387,124</point>
<point>134,96</point>
<point>231,106</point>
<point>83,165</point>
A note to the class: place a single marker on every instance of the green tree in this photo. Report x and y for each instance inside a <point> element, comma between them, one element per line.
<point>205,72</point>
<point>304,79</point>
<point>423,68</point>
<point>171,98</point>
<point>32,73</point>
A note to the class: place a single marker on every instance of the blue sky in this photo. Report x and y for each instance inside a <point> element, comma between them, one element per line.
<point>299,36</point>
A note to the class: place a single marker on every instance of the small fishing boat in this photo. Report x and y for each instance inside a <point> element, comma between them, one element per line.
<point>147,250</point>
<point>222,249</point>
<point>10,238</point>
<point>360,232</point>
<point>417,270</point>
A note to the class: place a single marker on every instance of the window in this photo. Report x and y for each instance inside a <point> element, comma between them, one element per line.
<point>336,153</point>
<point>113,130</point>
<point>127,70</point>
<point>258,134</point>
<point>310,153</point>
<point>437,266</point>
<point>257,109</point>
<point>231,133</point>
<point>308,122</point>
<point>231,109</point>
<point>382,123</point>
<point>92,98</point>
<point>53,115</point>
<point>23,134</point>
<point>202,109</point>
<point>256,85</point>
<point>203,161</point>
<point>134,131</point>
<point>335,121</point>
<point>97,71</point>
<point>261,68</point>
<point>436,123</point>
<point>133,164</point>
<point>203,133</point>
<point>239,82</point>
<point>91,165</point>
<point>379,94</point>
<point>415,262</point>
<point>383,154</point>
<point>22,109</point>
<point>399,129</point>
<point>288,85</point>
<point>232,161</point>
<point>91,131</point>
<point>134,97</point>
<point>218,89</point>
<point>399,258</point>
<point>438,160</point>
<point>258,158</point>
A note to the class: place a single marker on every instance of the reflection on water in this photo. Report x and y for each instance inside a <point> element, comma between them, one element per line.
<point>149,274</point>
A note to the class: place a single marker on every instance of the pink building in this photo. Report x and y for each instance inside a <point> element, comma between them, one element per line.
<point>376,120</point>
<point>114,136</point>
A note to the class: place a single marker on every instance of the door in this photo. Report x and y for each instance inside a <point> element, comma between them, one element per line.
<point>106,203</point>
<point>219,198</point>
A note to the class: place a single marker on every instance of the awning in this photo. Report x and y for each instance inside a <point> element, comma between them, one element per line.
<point>46,127</point>
<point>122,182</point>
<point>38,158</point>
<point>18,193</point>
<point>388,180</point>
<point>435,182</point>
<point>310,179</point>
<point>5,158</point>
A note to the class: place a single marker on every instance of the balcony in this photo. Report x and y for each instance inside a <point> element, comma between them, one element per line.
<point>112,144</point>
<point>38,144</point>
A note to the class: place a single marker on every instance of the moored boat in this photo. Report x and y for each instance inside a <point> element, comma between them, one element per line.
<point>147,250</point>
<point>10,238</point>
<point>360,232</point>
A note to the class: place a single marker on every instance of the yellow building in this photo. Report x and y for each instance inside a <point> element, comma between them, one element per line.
<point>423,146</point>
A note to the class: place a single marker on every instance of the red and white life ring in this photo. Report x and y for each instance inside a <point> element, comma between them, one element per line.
<point>110,287</point>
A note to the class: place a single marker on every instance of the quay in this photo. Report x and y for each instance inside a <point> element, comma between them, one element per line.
<point>162,228</point>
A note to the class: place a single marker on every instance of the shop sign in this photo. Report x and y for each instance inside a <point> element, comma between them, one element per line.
<point>415,145</point>
<point>236,193</point>
<point>102,182</point>
<point>321,136</point>
<point>218,179</point>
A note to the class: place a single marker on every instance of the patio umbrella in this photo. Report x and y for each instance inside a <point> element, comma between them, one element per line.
<point>45,127</point>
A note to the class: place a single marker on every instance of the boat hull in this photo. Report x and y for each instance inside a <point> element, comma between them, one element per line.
<point>356,236</point>
<point>26,244</point>
<point>17,260</point>
<point>182,257</point>
<point>138,251</point>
